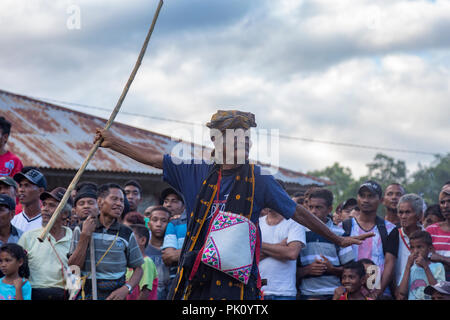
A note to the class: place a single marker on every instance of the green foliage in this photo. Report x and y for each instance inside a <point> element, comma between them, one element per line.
<point>426,181</point>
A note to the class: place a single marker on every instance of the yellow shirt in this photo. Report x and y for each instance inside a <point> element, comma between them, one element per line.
<point>45,267</point>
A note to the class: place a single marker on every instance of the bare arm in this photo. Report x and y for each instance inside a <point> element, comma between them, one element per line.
<point>171,256</point>
<point>150,157</point>
<point>282,250</point>
<point>403,288</point>
<point>78,256</point>
<point>388,272</point>
<point>306,218</point>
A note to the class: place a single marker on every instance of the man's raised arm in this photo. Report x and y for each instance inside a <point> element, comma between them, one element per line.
<point>306,218</point>
<point>150,157</point>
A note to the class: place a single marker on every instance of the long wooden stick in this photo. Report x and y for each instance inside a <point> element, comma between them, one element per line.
<point>107,126</point>
<point>93,270</point>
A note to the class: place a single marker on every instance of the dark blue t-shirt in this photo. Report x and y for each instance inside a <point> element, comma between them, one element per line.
<point>188,178</point>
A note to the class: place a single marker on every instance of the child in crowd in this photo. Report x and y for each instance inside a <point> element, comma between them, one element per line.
<point>14,266</point>
<point>353,281</point>
<point>419,271</point>
<point>148,286</point>
<point>432,215</point>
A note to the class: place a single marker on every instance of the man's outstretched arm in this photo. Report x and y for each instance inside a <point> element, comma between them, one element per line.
<point>150,157</point>
<point>307,219</point>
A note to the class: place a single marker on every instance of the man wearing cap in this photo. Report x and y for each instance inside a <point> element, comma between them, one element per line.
<point>440,291</point>
<point>48,259</point>
<point>440,233</point>
<point>32,184</point>
<point>347,207</point>
<point>9,187</point>
<point>382,249</point>
<point>229,183</point>
<point>175,231</point>
<point>8,233</point>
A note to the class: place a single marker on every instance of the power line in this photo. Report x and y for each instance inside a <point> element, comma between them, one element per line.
<point>342,144</point>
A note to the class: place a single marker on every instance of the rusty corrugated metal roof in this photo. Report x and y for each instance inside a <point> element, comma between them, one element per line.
<point>50,136</point>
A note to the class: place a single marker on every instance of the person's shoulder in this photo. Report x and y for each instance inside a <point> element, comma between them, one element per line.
<point>433,227</point>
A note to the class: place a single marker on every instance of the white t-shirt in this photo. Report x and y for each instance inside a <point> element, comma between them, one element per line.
<point>280,275</point>
<point>23,223</point>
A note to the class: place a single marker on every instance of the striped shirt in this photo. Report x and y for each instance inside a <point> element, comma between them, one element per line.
<point>441,239</point>
<point>316,246</point>
<point>124,253</point>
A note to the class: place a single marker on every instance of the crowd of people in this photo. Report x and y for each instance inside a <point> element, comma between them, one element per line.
<point>104,245</point>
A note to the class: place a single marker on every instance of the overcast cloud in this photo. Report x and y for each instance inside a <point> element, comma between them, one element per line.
<point>361,72</point>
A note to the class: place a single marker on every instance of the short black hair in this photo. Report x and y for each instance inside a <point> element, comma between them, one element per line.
<point>422,235</point>
<point>5,125</point>
<point>322,193</point>
<point>357,266</point>
<point>160,208</point>
<point>141,231</point>
<point>134,183</point>
<point>435,210</point>
<point>103,190</point>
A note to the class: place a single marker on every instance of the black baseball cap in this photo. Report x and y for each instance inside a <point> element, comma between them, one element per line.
<point>373,187</point>
<point>349,202</point>
<point>168,191</point>
<point>34,176</point>
<point>7,201</point>
<point>8,181</point>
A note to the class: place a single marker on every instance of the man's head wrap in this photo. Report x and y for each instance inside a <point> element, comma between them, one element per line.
<point>232,119</point>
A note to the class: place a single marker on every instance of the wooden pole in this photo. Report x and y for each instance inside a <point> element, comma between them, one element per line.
<point>107,126</point>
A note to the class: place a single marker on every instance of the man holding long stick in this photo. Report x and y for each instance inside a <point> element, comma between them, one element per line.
<point>214,190</point>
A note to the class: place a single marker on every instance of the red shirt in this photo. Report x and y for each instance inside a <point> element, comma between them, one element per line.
<point>441,239</point>
<point>10,164</point>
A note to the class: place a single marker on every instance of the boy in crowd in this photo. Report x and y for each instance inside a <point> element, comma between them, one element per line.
<point>321,260</point>
<point>148,286</point>
<point>353,281</point>
<point>440,291</point>
<point>419,270</point>
<point>159,218</point>
<point>432,215</point>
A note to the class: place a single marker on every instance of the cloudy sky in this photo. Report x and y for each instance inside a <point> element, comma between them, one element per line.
<point>369,73</point>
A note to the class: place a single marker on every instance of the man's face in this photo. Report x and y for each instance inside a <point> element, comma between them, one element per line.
<point>8,190</point>
<point>319,208</point>
<point>28,192</point>
<point>5,216</point>
<point>112,205</point>
<point>158,223</point>
<point>86,207</point>
<point>407,215</point>
<point>233,146</point>
<point>368,201</point>
<point>133,196</point>
<point>173,204</point>
<point>444,203</point>
<point>49,206</point>
<point>392,194</point>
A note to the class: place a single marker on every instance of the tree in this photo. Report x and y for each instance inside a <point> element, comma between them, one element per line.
<point>386,170</point>
<point>427,181</point>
